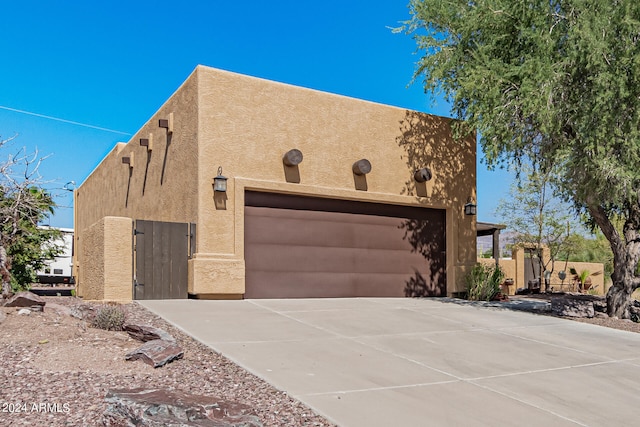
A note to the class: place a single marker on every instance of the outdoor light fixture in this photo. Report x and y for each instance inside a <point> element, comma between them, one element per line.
<point>220,182</point>
<point>292,157</point>
<point>422,175</point>
<point>470,208</point>
<point>361,167</point>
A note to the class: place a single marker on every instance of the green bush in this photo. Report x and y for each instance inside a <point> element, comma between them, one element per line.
<point>109,318</point>
<point>483,282</point>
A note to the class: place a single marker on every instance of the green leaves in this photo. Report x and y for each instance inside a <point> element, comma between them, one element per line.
<point>546,78</point>
<point>483,282</point>
<point>555,83</point>
<point>23,205</point>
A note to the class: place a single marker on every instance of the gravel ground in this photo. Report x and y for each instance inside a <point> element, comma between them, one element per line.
<point>609,322</point>
<point>55,370</point>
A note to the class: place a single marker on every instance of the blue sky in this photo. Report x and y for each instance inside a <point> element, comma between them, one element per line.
<point>113,64</point>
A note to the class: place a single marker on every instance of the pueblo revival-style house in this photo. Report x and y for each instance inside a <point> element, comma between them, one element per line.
<point>240,187</point>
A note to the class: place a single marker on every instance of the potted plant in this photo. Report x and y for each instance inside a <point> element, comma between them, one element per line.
<point>583,279</point>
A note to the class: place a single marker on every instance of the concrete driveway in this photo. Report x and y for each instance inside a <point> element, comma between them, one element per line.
<point>424,362</point>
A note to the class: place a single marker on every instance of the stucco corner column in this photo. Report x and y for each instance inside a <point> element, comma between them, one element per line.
<point>217,277</point>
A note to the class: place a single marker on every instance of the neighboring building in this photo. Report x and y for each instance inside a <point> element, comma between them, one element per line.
<point>59,269</point>
<point>321,199</point>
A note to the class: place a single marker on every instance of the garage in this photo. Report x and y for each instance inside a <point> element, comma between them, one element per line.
<point>307,247</point>
<point>344,197</point>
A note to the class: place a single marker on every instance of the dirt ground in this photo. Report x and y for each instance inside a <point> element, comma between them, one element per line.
<point>55,370</point>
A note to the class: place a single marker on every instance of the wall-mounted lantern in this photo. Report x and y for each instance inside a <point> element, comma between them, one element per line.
<point>470,208</point>
<point>361,167</point>
<point>422,175</point>
<point>292,157</point>
<point>220,182</point>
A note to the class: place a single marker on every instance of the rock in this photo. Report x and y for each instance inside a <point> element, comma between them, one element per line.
<point>600,306</point>
<point>83,312</point>
<point>3,316</point>
<point>634,309</point>
<point>572,307</point>
<point>156,408</point>
<point>58,308</point>
<point>24,312</point>
<point>146,333</point>
<point>37,308</point>
<point>25,299</point>
<point>600,315</point>
<point>156,353</point>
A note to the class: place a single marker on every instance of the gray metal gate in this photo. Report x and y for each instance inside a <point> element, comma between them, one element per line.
<point>162,250</point>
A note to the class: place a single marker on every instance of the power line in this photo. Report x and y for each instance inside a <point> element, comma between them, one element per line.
<point>15,110</point>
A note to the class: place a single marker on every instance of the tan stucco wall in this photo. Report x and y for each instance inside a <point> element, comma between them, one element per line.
<point>90,277</point>
<point>160,186</point>
<point>595,269</point>
<point>245,125</point>
<point>509,268</point>
<point>514,269</point>
<point>107,268</point>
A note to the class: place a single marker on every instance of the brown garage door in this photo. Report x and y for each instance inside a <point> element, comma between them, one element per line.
<point>303,247</point>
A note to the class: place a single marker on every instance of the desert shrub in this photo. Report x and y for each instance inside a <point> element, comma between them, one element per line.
<point>483,282</point>
<point>109,318</point>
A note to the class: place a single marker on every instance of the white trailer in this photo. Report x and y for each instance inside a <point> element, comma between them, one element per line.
<point>59,269</point>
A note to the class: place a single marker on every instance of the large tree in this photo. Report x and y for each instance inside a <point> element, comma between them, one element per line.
<point>24,246</point>
<point>553,81</point>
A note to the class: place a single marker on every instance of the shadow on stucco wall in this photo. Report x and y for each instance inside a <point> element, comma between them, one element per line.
<point>291,173</point>
<point>146,172</point>
<point>126,200</point>
<point>426,237</point>
<point>428,143</point>
<point>360,182</point>
<point>166,154</point>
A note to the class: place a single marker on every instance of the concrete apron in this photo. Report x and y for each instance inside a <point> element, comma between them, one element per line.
<point>383,362</point>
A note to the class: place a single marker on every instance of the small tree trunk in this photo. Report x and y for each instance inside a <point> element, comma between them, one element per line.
<point>624,280</point>
<point>618,299</point>
<point>626,253</point>
<point>5,275</point>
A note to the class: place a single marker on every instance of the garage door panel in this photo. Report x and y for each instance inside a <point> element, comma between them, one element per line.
<point>269,257</point>
<point>306,215</point>
<point>319,285</point>
<point>330,230</point>
<point>304,247</point>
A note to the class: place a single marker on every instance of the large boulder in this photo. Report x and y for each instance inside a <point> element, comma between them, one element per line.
<point>26,299</point>
<point>571,306</point>
<point>156,353</point>
<point>162,408</point>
